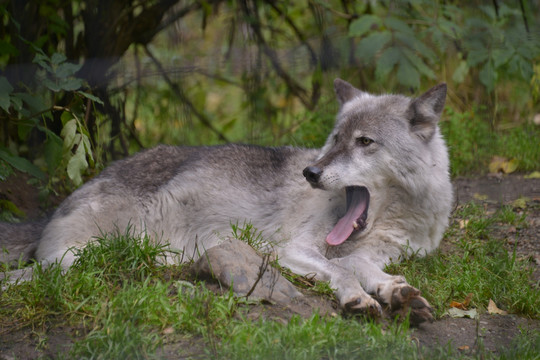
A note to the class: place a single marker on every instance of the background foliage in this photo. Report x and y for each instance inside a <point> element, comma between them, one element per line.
<point>86,81</point>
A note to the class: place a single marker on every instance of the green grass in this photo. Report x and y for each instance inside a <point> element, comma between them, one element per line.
<point>479,264</point>
<point>127,305</point>
<point>472,143</point>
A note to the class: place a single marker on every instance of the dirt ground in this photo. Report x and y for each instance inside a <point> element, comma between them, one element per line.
<point>489,331</point>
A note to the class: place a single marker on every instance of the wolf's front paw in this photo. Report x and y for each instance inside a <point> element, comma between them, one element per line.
<point>364,305</point>
<point>403,299</point>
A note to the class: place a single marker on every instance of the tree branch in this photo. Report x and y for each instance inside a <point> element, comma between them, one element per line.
<point>182,96</point>
<point>293,86</point>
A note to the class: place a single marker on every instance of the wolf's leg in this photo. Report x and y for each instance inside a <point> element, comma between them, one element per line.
<point>351,295</point>
<point>391,290</point>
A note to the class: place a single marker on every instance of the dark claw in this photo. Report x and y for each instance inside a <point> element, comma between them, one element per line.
<point>371,310</point>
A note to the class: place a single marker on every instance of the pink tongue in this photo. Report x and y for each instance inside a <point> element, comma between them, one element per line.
<point>357,203</point>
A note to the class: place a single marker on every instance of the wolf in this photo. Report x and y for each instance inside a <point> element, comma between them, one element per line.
<point>377,190</point>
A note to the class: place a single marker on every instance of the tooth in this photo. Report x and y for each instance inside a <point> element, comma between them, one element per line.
<point>355,224</point>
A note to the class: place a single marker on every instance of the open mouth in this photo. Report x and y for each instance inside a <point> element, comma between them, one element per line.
<point>355,216</point>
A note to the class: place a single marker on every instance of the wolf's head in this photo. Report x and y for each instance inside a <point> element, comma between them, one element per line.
<point>378,140</point>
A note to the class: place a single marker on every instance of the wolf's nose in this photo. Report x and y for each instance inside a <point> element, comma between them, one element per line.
<point>312,174</point>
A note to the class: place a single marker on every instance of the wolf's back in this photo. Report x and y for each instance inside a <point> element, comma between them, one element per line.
<point>19,241</point>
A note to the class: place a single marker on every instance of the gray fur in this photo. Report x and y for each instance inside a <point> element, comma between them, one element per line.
<point>18,242</point>
<point>189,196</point>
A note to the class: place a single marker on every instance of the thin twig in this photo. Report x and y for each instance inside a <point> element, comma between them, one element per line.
<point>262,269</point>
<point>296,31</point>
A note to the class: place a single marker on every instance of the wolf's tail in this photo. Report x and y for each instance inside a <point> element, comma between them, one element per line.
<point>19,241</point>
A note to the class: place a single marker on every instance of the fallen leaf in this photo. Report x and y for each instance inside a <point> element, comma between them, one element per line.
<point>462,305</point>
<point>463,348</point>
<point>510,166</point>
<point>458,313</point>
<point>533,175</point>
<point>493,309</point>
<point>500,164</point>
<point>480,197</point>
<point>521,202</point>
<point>463,223</point>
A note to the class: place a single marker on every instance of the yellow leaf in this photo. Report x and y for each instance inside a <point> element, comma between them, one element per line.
<point>496,164</point>
<point>533,175</point>
<point>500,164</point>
<point>480,197</point>
<point>521,202</point>
<point>510,166</point>
<point>493,309</point>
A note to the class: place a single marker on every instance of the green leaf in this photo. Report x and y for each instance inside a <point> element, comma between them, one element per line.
<point>51,85</point>
<point>489,11</point>
<point>461,72</point>
<point>407,74</point>
<point>43,61</point>
<point>419,64</point>
<point>501,56</point>
<point>34,102</point>
<point>398,25</point>
<point>53,150</point>
<point>25,126</point>
<point>364,24</point>
<point>6,205</point>
<point>6,48</point>
<point>22,164</point>
<point>526,51</point>
<point>5,91</point>
<point>66,116</point>
<point>488,76</point>
<point>372,44</point>
<point>416,45</point>
<point>88,148</point>
<point>68,133</point>
<point>17,102</point>
<point>67,69</point>
<point>447,27</point>
<point>71,84</point>
<point>57,58</point>
<point>77,165</point>
<point>90,96</point>
<point>5,170</point>
<point>525,69</point>
<point>386,62</point>
<point>477,56</point>
<point>5,86</point>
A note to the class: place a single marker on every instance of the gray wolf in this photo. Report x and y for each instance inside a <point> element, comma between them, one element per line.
<point>378,189</point>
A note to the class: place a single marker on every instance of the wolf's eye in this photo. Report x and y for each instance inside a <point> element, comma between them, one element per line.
<point>364,141</point>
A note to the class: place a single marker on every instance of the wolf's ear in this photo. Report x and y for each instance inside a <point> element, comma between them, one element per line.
<point>425,111</point>
<point>345,91</point>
